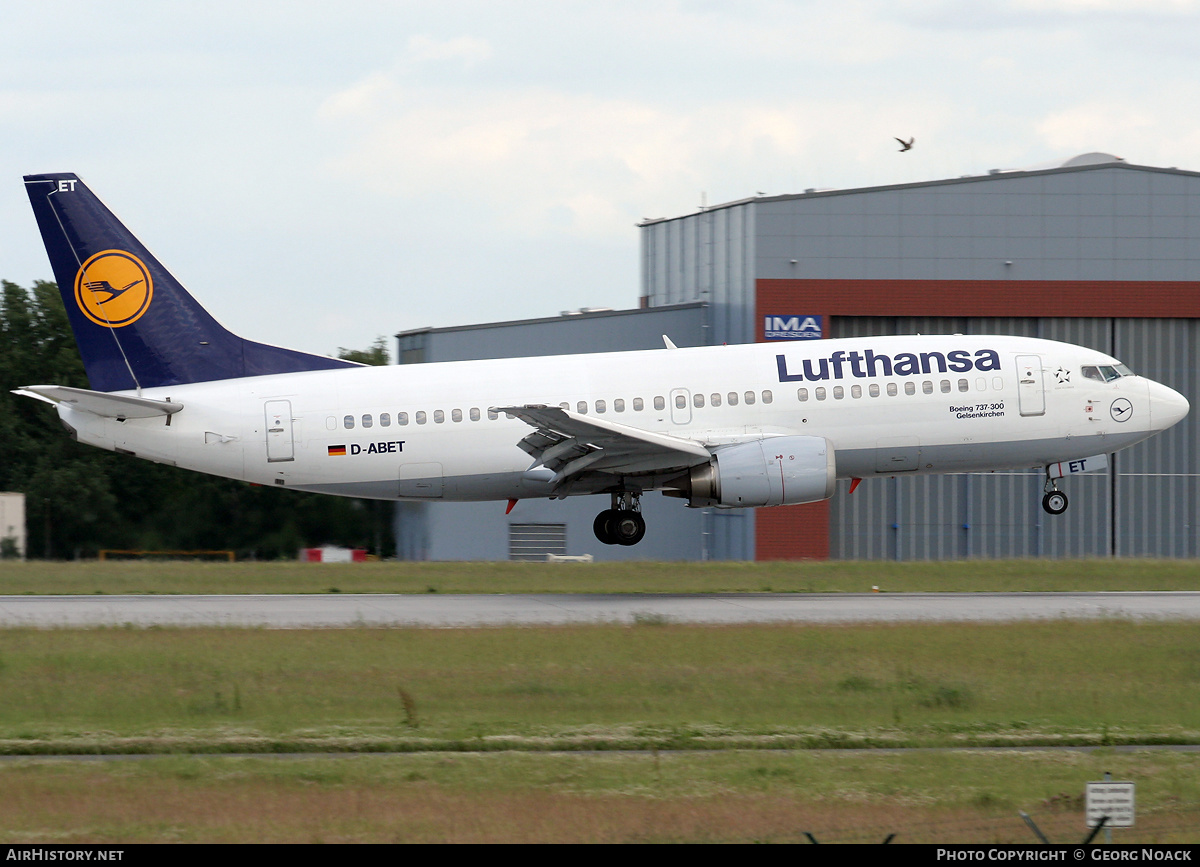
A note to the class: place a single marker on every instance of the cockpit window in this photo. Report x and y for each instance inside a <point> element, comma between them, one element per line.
<point>1105,372</point>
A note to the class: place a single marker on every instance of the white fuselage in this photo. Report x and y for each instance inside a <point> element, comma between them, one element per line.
<point>888,405</point>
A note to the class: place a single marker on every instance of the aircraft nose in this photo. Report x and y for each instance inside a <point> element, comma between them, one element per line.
<point>1167,406</point>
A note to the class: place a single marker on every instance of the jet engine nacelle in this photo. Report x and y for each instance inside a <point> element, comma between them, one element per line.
<point>777,471</point>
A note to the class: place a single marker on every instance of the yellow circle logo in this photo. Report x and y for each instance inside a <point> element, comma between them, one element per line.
<point>113,288</point>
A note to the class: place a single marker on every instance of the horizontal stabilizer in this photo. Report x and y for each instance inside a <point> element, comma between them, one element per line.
<point>99,402</point>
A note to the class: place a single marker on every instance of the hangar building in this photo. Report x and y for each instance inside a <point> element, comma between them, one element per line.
<point>1095,251</point>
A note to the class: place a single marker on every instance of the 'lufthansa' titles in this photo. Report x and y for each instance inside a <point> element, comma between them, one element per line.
<point>869,364</point>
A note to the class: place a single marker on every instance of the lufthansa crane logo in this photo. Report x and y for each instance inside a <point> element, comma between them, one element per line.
<point>113,288</point>
<point>1121,409</point>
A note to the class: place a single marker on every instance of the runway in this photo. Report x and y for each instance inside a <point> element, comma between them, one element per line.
<point>433,610</point>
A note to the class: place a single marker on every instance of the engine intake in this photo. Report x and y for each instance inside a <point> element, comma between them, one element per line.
<point>777,471</point>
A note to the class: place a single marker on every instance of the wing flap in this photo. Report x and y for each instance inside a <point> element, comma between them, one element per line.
<point>570,444</point>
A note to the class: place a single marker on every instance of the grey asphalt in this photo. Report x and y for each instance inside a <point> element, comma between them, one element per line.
<point>349,610</point>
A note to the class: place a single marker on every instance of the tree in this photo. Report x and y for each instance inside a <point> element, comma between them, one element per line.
<point>376,355</point>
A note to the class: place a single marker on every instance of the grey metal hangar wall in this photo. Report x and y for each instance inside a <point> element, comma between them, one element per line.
<point>1095,251</point>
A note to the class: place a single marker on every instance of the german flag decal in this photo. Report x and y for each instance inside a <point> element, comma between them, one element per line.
<point>337,450</point>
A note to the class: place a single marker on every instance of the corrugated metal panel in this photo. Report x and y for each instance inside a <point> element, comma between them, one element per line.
<point>1094,333</point>
<point>535,541</point>
<point>1156,492</point>
<point>705,257</point>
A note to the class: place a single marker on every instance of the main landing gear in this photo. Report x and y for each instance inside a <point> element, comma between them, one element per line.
<point>1054,501</point>
<point>622,524</point>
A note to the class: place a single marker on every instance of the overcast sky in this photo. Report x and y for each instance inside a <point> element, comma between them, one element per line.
<point>319,174</point>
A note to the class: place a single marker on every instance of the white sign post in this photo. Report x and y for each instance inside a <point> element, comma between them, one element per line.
<point>1113,799</point>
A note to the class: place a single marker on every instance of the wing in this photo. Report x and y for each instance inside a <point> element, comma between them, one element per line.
<point>571,444</point>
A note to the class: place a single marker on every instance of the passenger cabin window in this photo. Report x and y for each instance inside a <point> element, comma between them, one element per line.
<point>366,420</point>
<point>945,386</point>
<point>910,388</point>
<point>749,398</point>
<point>680,401</point>
<point>401,418</point>
<point>601,406</point>
<point>892,389</point>
<point>456,415</point>
<point>348,422</point>
<point>874,389</point>
<point>638,404</point>
<point>660,403</point>
<point>715,399</point>
<point>421,416</point>
<point>856,391</point>
<point>385,419</point>
<point>802,394</point>
<point>838,392</point>
<point>618,404</point>
<point>697,400</point>
<point>494,414</point>
<point>963,385</point>
<point>767,396</point>
<point>927,387</point>
<point>820,393</point>
<point>733,398</point>
<point>581,407</point>
<point>474,413</point>
<point>439,417</point>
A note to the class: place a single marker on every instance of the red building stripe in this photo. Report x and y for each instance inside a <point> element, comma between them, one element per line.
<point>1142,299</point>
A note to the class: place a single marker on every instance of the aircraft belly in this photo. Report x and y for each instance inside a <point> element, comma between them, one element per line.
<point>864,462</point>
<point>422,484</point>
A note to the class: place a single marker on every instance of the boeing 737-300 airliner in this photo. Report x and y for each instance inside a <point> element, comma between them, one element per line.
<point>721,426</point>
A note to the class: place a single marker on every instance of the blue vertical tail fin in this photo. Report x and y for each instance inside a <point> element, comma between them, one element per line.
<point>135,324</point>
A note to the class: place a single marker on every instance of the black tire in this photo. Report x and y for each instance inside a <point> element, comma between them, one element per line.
<point>628,527</point>
<point>1055,502</point>
<point>602,526</point>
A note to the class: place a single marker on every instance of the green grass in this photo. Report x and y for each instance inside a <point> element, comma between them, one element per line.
<point>727,796</point>
<point>598,687</point>
<point>639,577</point>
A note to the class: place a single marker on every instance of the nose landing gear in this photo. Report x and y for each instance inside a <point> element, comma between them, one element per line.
<point>1054,501</point>
<point>622,524</point>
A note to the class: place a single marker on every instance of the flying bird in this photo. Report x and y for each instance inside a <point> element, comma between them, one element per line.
<point>905,145</point>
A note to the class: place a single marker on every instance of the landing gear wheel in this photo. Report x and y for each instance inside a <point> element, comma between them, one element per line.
<point>628,527</point>
<point>602,526</point>
<point>1055,502</point>
<point>619,527</point>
